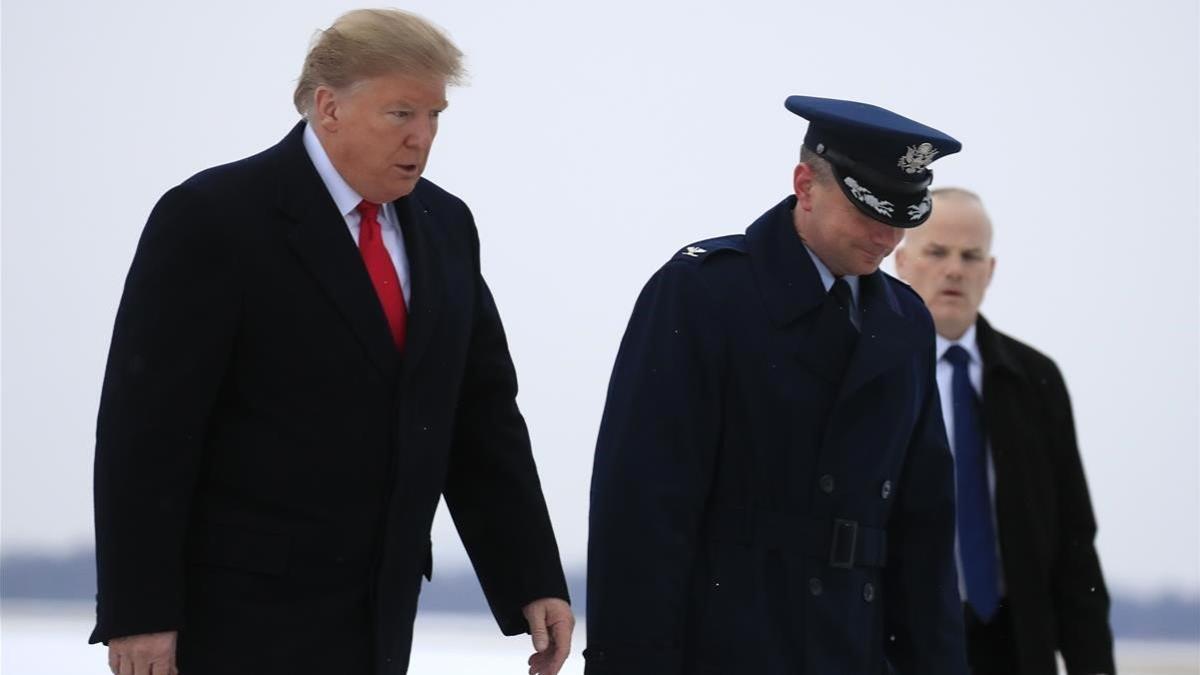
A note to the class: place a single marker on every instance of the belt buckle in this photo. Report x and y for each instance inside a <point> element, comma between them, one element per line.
<point>843,543</point>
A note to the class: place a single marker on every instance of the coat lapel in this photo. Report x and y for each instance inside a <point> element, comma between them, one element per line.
<point>824,349</point>
<point>317,234</point>
<point>996,355</point>
<point>426,268</point>
<point>791,289</point>
<point>785,276</point>
<point>999,364</point>
<point>887,338</point>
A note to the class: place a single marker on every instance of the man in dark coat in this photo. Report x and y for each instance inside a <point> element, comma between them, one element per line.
<point>772,490</point>
<point>305,359</point>
<point>1031,577</point>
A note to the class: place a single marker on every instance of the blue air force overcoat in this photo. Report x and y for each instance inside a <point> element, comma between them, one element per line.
<point>756,506</point>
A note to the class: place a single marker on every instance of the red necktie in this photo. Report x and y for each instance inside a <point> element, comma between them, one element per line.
<point>382,271</point>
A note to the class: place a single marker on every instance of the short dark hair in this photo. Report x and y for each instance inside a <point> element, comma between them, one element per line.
<point>822,170</point>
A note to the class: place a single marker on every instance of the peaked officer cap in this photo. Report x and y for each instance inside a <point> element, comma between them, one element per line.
<point>880,158</point>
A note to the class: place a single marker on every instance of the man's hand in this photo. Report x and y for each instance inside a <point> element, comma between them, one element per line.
<point>550,623</point>
<point>148,654</point>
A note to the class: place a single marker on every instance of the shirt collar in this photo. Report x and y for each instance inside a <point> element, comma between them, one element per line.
<point>344,196</point>
<point>967,342</point>
<point>827,277</point>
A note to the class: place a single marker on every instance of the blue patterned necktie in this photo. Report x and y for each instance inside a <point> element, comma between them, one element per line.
<point>976,532</point>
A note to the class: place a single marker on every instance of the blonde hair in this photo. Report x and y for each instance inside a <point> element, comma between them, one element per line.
<point>366,43</point>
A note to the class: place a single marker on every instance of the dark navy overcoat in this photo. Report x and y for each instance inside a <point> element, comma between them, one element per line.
<point>268,465</point>
<point>757,506</point>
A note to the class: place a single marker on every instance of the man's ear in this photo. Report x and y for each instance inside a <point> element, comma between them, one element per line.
<point>802,183</point>
<point>326,108</point>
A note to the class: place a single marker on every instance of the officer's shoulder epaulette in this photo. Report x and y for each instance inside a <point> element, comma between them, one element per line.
<point>907,295</point>
<point>702,250</point>
<point>904,286</point>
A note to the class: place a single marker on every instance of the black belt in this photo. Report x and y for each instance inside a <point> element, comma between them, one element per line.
<point>842,543</point>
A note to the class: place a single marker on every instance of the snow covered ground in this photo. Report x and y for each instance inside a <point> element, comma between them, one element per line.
<point>50,639</point>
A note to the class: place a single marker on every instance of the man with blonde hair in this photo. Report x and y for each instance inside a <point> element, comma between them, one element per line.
<point>305,359</point>
<point>1029,575</point>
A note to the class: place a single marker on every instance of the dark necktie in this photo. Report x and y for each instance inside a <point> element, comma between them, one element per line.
<point>841,292</point>
<point>841,336</point>
<point>976,532</point>
<point>382,272</point>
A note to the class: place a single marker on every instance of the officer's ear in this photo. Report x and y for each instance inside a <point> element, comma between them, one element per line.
<point>802,183</point>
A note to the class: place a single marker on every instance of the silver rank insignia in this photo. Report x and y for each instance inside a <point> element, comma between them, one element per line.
<point>917,158</point>
<point>693,251</point>
<point>862,194</point>
<point>917,211</point>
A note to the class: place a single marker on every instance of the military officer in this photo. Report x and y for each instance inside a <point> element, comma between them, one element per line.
<point>772,490</point>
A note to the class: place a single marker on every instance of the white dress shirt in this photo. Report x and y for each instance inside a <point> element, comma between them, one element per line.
<point>945,376</point>
<point>347,201</point>
<point>827,280</point>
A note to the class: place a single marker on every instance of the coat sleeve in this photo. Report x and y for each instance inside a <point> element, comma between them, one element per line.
<point>1080,596</point>
<point>171,342</point>
<point>651,478</point>
<point>492,488</point>
<point>923,616</point>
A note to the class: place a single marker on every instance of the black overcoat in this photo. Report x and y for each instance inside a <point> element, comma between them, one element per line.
<point>755,508</point>
<point>1055,589</point>
<point>268,465</point>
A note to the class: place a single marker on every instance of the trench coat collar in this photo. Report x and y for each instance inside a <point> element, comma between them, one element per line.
<point>791,289</point>
<point>786,278</point>
<point>888,337</point>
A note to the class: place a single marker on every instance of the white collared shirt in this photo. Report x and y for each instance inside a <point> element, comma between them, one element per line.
<point>945,377</point>
<point>827,280</point>
<point>347,201</point>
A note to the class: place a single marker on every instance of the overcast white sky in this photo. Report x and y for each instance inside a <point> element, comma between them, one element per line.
<point>595,139</point>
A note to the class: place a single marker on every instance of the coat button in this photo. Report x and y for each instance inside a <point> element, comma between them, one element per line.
<point>826,483</point>
<point>886,490</point>
<point>868,591</point>
<point>814,586</point>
